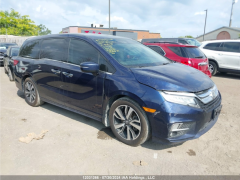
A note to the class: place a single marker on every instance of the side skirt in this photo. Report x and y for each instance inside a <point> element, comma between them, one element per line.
<point>70,109</point>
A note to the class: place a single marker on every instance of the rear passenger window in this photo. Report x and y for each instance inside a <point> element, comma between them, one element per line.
<point>212,46</point>
<point>157,49</point>
<point>178,51</point>
<point>56,49</point>
<point>80,51</point>
<point>231,47</point>
<point>30,50</point>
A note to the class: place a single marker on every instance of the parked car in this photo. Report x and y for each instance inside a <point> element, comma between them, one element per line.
<point>9,57</point>
<point>119,82</point>
<point>223,55</point>
<point>189,41</point>
<point>3,49</point>
<point>182,53</point>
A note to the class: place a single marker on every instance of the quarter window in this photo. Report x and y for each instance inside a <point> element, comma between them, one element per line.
<point>157,49</point>
<point>80,51</point>
<point>56,49</point>
<point>30,50</point>
<point>231,47</point>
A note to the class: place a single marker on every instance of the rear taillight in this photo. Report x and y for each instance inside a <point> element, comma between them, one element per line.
<point>187,62</point>
<point>15,62</point>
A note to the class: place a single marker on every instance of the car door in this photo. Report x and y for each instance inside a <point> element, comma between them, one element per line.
<point>230,55</point>
<point>84,91</point>
<point>47,69</point>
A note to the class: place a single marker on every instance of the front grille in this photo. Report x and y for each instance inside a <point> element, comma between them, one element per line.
<point>211,104</point>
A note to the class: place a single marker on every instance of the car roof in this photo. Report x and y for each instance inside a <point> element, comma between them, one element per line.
<point>169,43</point>
<point>224,40</point>
<point>90,36</point>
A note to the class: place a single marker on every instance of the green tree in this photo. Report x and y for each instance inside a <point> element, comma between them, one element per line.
<point>43,30</point>
<point>15,24</point>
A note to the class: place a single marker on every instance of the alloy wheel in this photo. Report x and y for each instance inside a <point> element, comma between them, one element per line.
<point>30,93</point>
<point>127,122</point>
<point>211,68</point>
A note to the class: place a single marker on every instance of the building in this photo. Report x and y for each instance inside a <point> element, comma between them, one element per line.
<point>14,39</point>
<point>99,29</point>
<point>221,33</point>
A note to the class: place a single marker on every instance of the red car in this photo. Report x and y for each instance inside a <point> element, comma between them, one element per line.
<point>183,53</point>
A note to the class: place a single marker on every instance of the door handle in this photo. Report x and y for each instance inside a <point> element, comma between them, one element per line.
<point>67,74</point>
<point>55,71</point>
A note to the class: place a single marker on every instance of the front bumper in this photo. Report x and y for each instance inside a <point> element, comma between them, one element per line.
<point>171,113</point>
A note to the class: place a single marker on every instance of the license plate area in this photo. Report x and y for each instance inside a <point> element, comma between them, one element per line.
<point>216,112</point>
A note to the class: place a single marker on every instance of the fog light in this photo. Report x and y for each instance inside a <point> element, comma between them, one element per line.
<point>179,129</point>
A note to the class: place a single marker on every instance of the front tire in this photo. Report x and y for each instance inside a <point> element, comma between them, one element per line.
<point>212,68</point>
<point>31,93</point>
<point>129,122</point>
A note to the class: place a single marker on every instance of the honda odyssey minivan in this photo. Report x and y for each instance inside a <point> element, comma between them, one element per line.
<point>125,85</point>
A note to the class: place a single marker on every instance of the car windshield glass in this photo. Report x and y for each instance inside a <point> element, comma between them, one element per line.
<point>131,53</point>
<point>194,42</point>
<point>14,51</point>
<point>194,52</point>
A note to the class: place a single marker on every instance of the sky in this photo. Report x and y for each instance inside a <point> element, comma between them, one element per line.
<point>170,18</point>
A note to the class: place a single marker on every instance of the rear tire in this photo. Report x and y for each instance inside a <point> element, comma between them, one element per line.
<point>129,122</point>
<point>212,68</point>
<point>31,93</point>
<point>10,74</point>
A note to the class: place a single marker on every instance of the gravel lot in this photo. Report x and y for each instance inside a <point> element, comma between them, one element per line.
<point>77,145</point>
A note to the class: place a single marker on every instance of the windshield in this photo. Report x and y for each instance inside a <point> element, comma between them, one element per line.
<point>131,53</point>
<point>194,52</point>
<point>193,42</point>
<point>14,51</point>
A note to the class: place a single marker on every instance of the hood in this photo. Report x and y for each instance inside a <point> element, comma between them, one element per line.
<point>173,77</point>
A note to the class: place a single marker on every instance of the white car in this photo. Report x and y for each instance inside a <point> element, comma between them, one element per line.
<point>223,55</point>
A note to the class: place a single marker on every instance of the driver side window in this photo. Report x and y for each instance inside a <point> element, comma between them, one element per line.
<point>81,51</point>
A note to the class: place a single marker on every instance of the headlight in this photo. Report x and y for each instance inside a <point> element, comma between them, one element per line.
<point>180,98</point>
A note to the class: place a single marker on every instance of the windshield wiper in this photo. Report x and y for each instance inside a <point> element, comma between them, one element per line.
<point>199,57</point>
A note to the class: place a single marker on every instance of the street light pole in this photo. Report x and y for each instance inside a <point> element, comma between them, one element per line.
<point>205,24</point>
<point>233,2</point>
<point>109,17</point>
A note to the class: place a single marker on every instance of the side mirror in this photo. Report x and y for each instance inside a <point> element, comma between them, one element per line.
<point>5,55</point>
<point>89,67</point>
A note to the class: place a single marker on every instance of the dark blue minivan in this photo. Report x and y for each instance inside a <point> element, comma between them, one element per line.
<point>140,94</point>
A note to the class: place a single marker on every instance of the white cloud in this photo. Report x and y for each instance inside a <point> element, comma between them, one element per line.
<point>116,18</point>
<point>38,9</point>
<point>200,13</point>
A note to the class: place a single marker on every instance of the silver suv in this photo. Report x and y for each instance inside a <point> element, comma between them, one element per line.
<point>223,55</point>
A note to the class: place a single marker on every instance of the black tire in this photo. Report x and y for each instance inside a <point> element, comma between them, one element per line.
<point>4,67</point>
<point>142,134</point>
<point>10,74</point>
<point>30,90</point>
<point>213,67</point>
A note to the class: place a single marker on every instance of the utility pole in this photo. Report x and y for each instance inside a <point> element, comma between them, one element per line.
<point>109,17</point>
<point>205,24</point>
<point>233,2</point>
